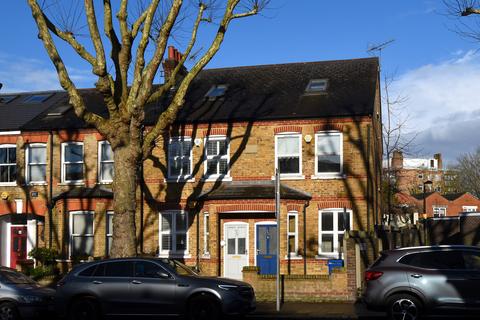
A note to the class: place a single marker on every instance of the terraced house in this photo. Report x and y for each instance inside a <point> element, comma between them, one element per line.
<point>207,194</point>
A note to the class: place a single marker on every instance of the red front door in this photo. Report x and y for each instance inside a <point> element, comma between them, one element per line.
<point>18,245</point>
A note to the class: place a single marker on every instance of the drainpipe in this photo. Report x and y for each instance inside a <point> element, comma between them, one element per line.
<point>369,182</point>
<point>305,237</point>
<point>50,191</point>
<point>142,193</point>
<point>198,240</point>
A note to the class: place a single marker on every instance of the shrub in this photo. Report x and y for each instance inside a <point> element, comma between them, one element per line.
<point>45,256</point>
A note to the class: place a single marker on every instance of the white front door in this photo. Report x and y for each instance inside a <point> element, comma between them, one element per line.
<point>236,249</point>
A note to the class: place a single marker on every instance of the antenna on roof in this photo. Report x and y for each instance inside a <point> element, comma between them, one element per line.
<point>379,47</point>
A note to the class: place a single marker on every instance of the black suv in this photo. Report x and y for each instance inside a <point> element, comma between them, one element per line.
<point>148,286</point>
<point>409,282</point>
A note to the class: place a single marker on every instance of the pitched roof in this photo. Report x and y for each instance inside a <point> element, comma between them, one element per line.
<point>419,196</point>
<point>85,193</point>
<point>252,190</point>
<point>268,92</point>
<point>17,111</point>
<point>454,196</point>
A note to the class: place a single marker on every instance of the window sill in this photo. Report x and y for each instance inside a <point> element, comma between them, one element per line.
<point>328,176</point>
<point>39,183</point>
<point>179,180</point>
<point>175,255</point>
<point>292,177</point>
<point>105,182</point>
<point>328,256</point>
<point>205,256</point>
<point>216,178</point>
<point>293,257</point>
<point>8,184</point>
<point>73,183</point>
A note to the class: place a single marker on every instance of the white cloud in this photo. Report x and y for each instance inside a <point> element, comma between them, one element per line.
<point>444,105</point>
<point>25,74</point>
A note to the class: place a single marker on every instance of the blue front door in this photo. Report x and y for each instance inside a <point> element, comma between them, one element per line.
<point>267,248</point>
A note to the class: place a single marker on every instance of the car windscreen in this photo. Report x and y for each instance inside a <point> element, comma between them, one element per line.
<point>179,267</point>
<point>15,277</point>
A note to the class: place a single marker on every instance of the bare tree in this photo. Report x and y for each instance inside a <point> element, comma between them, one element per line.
<point>468,28</point>
<point>137,45</point>
<point>468,172</point>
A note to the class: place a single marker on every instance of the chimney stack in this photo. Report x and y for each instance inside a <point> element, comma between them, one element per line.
<point>397,160</point>
<point>173,59</point>
<point>438,157</point>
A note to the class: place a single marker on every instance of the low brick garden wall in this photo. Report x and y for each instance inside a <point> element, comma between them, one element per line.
<point>310,288</point>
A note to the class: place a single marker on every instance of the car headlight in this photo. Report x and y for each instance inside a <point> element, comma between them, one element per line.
<point>31,299</point>
<point>227,286</point>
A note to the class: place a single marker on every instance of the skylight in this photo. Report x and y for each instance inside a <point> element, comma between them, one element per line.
<point>36,98</point>
<point>59,110</point>
<point>317,85</point>
<point>217,91</point>
<point>7,99</point>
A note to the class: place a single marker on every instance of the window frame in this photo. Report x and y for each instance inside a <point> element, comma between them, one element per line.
<point>207,157</point>
<point>182,176</point>
<point>63,163</point>
<point>71,235</point>
<point>294,234</point>
<point>10,146</point>
<point>338,174</point>
<point>300,156</point>
<point>469,208</point>
<point>335,232</point>
<point>439,214</point>
<point>173,233</point>
<point>206,234</point>
<point>108,232</point>
<point>28,163</point>
<point>100,162</point>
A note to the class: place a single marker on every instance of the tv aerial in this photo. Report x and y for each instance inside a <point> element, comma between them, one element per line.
<point>379,47</point>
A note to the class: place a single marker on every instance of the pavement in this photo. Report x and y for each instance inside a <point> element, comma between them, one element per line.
<point>320,311</point>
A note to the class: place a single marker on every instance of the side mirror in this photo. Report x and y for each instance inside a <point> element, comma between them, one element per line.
<point>163,275</point>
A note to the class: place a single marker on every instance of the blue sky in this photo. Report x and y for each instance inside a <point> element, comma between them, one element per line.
<point>436,69</point>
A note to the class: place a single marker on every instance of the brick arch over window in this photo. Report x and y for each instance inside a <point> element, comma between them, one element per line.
<point>215,132</point>
<point>246,207</point>
<point>289,129</point>
<point>335,204</point>
<point>328,127</point>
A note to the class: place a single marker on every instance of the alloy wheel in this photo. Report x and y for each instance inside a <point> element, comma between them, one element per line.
<point>404,309</point>
<point>7,312</point>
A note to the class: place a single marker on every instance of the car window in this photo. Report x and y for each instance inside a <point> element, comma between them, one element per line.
<point>88,272</point>
<point>15,277</point>
<point>118,269</point>
<point>472,260</point>
<point>445,260</point>
<point>179,267</point>
<point>100,271</point>
<point>146,269</point>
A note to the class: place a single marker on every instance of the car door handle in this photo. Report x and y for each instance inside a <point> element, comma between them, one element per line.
<point>416,276</point>
<point>183,285</point>
<point>97,282</point>
<point>136,282</point>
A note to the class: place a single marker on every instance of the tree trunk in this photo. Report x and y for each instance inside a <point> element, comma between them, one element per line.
<point>125,203</point>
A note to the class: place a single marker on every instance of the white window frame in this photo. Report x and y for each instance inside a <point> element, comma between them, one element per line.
<point>439,211</point>
<point>64,145</point>
<point>225,177</point>
<point>173,232</point>
<point>28,164</point>
<point>182,176</point>
<point>339,174</point>
<point>469,208</point>
<point>100,162</point>
<point>335,231</point>
<point>108,233</point>
<point>5,146</point>
<point>299,155</point>
<point>295,233</point>
<point>71,235</point>
<point>206,234</point>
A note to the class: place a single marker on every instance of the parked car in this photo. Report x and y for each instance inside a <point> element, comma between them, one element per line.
<point>148,286</point>
<point>23,298</point>
<point>411,282</point>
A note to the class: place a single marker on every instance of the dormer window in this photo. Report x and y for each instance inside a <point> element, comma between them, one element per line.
<point>317,85</point>
<point>36,98</point>
<point>216,91</point>
<point>59,110</point>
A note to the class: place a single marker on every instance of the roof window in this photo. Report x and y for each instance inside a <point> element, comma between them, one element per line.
<point>216,91</point>
<point>7,99</point>
<point>59,110</point>
<point>36,98</point>
<point>317,85</point>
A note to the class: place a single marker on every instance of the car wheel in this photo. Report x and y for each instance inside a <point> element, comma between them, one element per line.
<point>404,307</point>
<point>8,311</point>
<point>203,308</point>
<point>84,309</point>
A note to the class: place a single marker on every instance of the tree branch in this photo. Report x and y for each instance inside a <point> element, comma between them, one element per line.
<point>116,47</point>
<point>76,99</point>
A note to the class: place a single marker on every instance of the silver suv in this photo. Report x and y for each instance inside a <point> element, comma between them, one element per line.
<point>410,282</point>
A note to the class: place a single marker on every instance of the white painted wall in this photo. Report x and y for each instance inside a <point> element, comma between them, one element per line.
<point>31,235</point>
<point>5,242</point>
